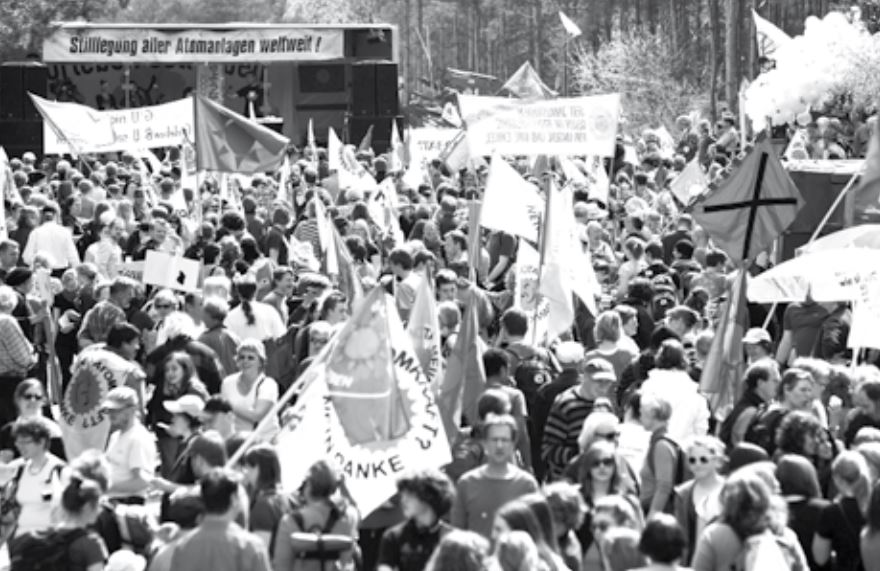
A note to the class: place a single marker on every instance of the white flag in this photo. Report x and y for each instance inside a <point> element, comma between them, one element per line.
<point>79,126</point>
<point>334,151</point>
<point>689,182</point>
<point>571,28</point>
<point>395,163</point>
<point>424,330</point>
<point>510,204</point>
<point>367,407</point>
<point>770,38</point>
<point>527,297</point>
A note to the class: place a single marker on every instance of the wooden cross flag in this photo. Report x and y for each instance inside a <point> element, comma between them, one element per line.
<point>751,207</point>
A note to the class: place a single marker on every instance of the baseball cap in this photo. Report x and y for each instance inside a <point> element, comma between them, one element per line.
<point>569,353</point>
<point>120,398</point>
<point>190,405</point>
<point>757,335</point>
<point>600,370</point>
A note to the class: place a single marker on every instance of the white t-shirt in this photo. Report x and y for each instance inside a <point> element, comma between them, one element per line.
<point>133,449</point>
<point>267,323</point>
<point>36,493</point>
<point>265,388</point>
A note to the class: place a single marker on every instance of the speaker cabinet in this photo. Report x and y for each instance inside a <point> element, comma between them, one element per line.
<point>16,80</point>
<point>18,136</point>
<point>321,78</point>
<point>374,89</point>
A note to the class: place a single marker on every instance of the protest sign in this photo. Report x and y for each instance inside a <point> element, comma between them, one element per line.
<point>426,143</point>
<point>133,270</point>
<point>221,43</point>
<point>163,125</point>
<point>565,126</point>
<point>164,270</point>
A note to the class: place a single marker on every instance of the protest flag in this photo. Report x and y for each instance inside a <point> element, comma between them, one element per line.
<point>450,115</point>
<point>867,194</point>
<point>510,204</point>
<point>283,192</point>
<point>464,379</point>
<point>770,38</point>
<point>567,269</point>
<point>526,84</point>
<point>725,364</point>
<point>334,151</point>
<point>228,142</point>
<point>526,296</point>
<point>366,143</point>
<point>571,28</point>
<point>689,183</point>
<point>302,254</point>
<point>750,208</point>
<point>455,154</point>
<point>424,331</point>
<point>312,143</point>
<point>77,125</point>
<point>366,406</point>
<point>330,264</point>
<point>347,279</point>
<point>395,158</point>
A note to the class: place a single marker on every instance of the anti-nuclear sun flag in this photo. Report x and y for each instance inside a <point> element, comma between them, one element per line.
<point>367,407</point>
<point>228,142</point>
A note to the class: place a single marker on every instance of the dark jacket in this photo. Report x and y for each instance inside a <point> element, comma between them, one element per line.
<point>207,365</point>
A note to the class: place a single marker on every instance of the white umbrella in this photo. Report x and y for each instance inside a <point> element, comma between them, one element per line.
<point>861,236</point>
<point>829,275</point>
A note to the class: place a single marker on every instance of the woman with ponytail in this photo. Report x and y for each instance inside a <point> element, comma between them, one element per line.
<point>72,539</point>
<point>253,319</point>
<point>841,522</point>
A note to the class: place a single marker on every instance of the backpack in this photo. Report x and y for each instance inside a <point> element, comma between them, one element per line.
<point>43,550</point>
<point>136,527</point>
<point>767,551</point>
<point>329,547</point>
<point>664,297</point>
<point>762,429</point>
<point>530,371</point>
<point>680,468</point>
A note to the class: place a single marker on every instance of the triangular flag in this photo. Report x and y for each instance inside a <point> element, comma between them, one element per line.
<point>334,150</point>
<point>366,143</point>
<point>464,380</point>
<point>395,162</point>
<point>567,268</point>
<point>77,125</point>
<point>689,183</point>
<point>526,84</point>
<point>510,204</point>
<point>571,28</point>
<point>571,172</point>
<point>346,275</point>
<point>751,207</point>
<point>866,202</point>
<point>424,330</point>
<point>367,407</point>
<point>725,365</point>
<point>770,38</point>
<point>312,144</point>
<point>228,142</point>
<point>325,237</point>
<point>283,193</point>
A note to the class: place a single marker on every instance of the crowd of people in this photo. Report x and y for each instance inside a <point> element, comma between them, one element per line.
<point>595,451</point>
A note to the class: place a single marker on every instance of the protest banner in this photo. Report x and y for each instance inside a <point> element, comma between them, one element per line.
<point>220,43</point>
<point>426,143</point>
<point>564,126</point>
<point>163,125</point>
<point>164,270</point>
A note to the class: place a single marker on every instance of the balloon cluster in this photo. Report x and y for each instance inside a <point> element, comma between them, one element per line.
<point>833,56</point>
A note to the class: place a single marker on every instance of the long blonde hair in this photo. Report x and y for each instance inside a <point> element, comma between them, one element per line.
<point>853,477</point>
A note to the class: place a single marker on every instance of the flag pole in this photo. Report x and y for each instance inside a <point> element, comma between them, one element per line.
<point>565,66</point>
<point>820,227</point>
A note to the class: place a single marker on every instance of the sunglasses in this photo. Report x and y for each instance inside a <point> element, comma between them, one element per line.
<point>606,462</point>
<point>602,526</point>
<point>608,435</point>
<point>164,306</point>
<point>31,396</point>
<point>699,460</point>
<point>247,357</point>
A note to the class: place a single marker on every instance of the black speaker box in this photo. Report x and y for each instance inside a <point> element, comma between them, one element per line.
<point>363,89</point>
<point>387,99</point>
<point>16,80</point>
<point>18,136</point>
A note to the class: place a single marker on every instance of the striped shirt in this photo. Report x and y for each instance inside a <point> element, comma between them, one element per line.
<point>307,231</point>
<point>563,427</point>
<point>16,352</point>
